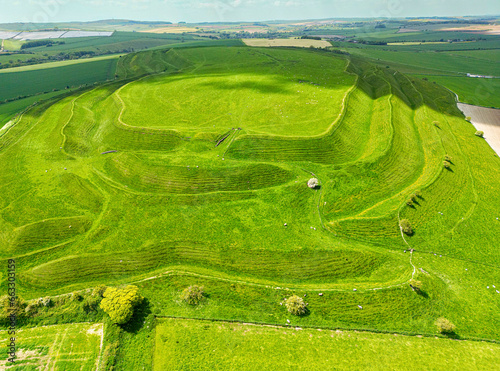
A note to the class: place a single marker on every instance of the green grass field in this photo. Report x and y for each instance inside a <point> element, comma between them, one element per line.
<point>447,64</point>
<point>477,91</point>
<point>186,170</point>
<point>59,347</point>
<point>202,345</point>
<point>32,80</point>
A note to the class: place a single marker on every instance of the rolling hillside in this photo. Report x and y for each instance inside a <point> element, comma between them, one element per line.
<point>193,168</point>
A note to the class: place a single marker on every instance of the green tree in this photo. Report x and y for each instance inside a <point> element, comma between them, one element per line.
<point>99,291</point>
<point>296,305</point>
<point>120,303</point>
<point>444,326</point>
<point>192,294</point>
<point>406,227</point>
<point>480,133</point>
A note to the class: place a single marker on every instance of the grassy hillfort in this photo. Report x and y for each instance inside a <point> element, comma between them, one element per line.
<point>189,165</point>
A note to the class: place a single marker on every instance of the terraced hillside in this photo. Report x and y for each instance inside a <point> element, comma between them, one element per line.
<point>195,170</point>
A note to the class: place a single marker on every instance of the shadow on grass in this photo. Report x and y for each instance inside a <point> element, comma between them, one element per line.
<point>452,335</point>
<point>306,314</point>
<point>422,294</point>
<point>141,312</point>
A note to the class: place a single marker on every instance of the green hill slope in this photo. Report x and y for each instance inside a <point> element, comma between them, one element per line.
<point>131,179</point>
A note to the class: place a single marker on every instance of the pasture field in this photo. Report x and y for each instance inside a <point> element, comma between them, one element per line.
<point>440,62</point>
<point>447,64</point>
<point>59,347</point>
<point>269,99</point>
<point>476,91</point>
<point>204,345</point>
<point>145,180</point>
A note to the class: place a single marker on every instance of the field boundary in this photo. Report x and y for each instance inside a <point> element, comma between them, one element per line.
<point>375,331</point>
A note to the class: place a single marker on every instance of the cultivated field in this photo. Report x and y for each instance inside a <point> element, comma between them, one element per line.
<point>486,120</point>
<point>194,169</point>
<point>203,345</point>
<point>59,347</point>
<point>44,78</point>
<point>299,43</point>
<point>171,29</point>
<point>490,29</point>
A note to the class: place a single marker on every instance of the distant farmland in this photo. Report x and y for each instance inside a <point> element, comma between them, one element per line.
<point>300,43</point>
<point>33,79</point>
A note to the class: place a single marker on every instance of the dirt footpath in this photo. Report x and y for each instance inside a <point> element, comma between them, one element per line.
<point>487,120</point>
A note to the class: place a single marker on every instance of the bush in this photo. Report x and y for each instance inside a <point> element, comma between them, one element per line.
<point>47,302</point>
<point>313,183</point>
<point>406,227</point>
<point>31,309</point>
<point>447,158</point>
<point>99,291</point>
<point>192,294</point>
<point>90,303</point>
<point>120,303</point>
<point>416,285</point>
<point>468,118</point>
<point>296,305</point>
<point>76,296</point>
<point>409,202</point>
<point>8,307</point>
<point>446,164</point>
<point>444,326</point>
<point>480,133</point>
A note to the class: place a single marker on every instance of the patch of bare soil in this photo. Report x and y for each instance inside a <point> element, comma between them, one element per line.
<point>486,120</point>
<point>481,29</point>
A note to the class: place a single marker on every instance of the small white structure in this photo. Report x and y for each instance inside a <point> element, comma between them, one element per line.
<point>313,183</point>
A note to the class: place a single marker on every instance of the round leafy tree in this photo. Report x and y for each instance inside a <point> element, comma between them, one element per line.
<point>480,133</point>
<point>296,305</point>
<point>406,227</point>
<point>192,294</point>
<point>313,183</point>
<point>444,326</point>
<point>120,303</point>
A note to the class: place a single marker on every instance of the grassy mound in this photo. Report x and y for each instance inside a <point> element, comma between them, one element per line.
<point>155,177</point>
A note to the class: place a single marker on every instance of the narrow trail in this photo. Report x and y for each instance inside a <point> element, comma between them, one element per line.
<point>406,242</point>
<point>68,121</point>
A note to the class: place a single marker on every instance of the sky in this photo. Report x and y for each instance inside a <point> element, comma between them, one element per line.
<point>42,11</point>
